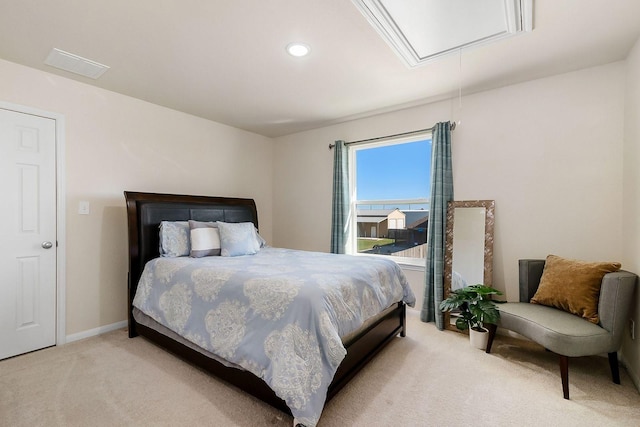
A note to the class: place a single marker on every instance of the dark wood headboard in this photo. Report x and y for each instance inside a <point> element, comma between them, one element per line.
<point>145,211</point>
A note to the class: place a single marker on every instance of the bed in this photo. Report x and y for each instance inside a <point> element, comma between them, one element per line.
<point>145,213</point>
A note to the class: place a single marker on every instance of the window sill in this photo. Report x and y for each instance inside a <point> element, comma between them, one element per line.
<point>415,264</point>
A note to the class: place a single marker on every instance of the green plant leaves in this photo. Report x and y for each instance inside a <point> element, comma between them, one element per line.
<point>462,324</point>
<point>474,305</point>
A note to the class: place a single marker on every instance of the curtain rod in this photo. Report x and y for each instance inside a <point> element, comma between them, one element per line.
<point>452,126</point>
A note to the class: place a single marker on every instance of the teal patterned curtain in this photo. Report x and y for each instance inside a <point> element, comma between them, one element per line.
<point>340,206</point>
<point>441,194</point>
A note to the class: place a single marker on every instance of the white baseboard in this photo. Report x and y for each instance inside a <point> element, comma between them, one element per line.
<point>96,331</point>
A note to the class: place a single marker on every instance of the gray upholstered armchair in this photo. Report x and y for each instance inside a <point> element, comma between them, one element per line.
<point>566,334</point>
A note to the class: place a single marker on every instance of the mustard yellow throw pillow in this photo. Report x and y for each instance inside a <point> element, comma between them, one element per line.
<point>573,286</point>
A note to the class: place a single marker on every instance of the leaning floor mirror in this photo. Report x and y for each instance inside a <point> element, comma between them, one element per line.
<point>468,248</point>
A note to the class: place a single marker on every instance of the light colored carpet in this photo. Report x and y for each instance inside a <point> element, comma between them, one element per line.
<point>429,378</point>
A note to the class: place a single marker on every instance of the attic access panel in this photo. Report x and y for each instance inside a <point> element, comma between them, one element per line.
<point>421,30</point>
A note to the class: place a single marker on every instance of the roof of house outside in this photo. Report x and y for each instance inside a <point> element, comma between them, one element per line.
<point>415,218</point>
<point>367,219</point>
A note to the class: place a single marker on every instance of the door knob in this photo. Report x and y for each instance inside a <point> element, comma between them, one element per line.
<point>47,245</point>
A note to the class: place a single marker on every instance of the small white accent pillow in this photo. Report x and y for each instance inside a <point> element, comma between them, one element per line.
<point>205,239</point>
<point>238,238</point>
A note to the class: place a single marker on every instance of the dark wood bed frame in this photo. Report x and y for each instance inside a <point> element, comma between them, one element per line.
<point>145,211</point>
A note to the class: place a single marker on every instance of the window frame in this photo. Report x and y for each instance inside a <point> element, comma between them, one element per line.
<point>352,239</point>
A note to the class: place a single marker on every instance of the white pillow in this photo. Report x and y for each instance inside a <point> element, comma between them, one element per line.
<point>205,239</point>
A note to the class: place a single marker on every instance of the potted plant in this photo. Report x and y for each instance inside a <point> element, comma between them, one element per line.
<point>474,308</point>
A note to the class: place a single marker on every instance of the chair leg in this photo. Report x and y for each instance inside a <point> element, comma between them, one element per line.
<point>615,371</point>
<point>492,334</point>
<point>564,374</point>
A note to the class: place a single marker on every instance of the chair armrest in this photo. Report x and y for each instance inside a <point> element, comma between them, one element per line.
<point>530,274</point>
<point>616,294</point>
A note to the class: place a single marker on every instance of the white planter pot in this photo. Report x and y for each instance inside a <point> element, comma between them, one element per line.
<point>479,339</point>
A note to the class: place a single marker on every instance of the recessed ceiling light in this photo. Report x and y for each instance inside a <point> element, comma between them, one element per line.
<point>298,49</point>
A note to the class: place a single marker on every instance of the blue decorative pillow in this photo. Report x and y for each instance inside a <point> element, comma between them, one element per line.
<point>238,238</point>
<point>174,238</point>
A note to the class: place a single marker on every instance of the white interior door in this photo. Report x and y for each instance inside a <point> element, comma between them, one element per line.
<point>28,230</point>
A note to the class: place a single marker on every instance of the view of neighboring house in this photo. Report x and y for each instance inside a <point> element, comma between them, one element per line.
<point>400,232</point>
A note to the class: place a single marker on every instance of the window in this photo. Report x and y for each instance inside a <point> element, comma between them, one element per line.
<point>391,185</point>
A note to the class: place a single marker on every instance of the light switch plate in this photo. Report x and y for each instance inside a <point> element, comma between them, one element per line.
<point>83,207</point>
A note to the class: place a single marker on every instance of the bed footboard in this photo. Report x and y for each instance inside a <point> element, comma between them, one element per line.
<point>361,349</point>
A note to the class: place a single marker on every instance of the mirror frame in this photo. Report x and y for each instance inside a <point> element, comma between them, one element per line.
<point>489,223</point>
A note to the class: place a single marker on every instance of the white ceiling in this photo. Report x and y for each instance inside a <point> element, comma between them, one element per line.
<point>225,60</point>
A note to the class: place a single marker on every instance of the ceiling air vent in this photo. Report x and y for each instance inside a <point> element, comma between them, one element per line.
<point>75,64</point>
<point>421,30</point>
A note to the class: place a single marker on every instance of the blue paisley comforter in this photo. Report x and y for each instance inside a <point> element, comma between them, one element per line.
<point>278,314</point>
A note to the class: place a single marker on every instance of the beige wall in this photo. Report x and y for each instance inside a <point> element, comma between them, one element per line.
<point>631,193</point>
<point>116,143</point>
<point>549,152</point>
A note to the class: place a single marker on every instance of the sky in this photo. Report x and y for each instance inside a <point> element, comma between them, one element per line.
<point>400,171</point>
